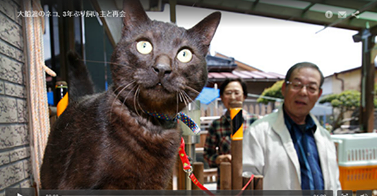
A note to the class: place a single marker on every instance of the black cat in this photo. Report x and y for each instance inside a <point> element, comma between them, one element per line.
<point>110,140</point>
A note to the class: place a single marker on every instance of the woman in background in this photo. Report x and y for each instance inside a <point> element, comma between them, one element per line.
<point>217,144</point>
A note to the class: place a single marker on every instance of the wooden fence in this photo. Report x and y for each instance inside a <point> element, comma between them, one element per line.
<point>216,108</point>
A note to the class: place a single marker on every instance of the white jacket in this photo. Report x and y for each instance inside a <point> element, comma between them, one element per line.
<point>268,150</point>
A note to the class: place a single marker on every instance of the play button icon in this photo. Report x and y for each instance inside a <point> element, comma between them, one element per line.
<point>19,192</point>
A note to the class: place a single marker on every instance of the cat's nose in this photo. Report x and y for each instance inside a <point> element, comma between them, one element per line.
<point>162,66</point>
<point>162,69</point>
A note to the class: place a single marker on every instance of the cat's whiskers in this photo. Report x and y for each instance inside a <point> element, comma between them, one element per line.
<point>181,98</point>
<point>189,99</point>
<point>125,98</point>
<point>195,91</point>
<point>186,98</point>
<point>91,61</point>
<point>177,102</point>
<point>116,97</point>
<point>136,100</point>
<point>124,88</point>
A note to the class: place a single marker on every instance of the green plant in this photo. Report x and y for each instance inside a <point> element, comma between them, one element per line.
<point>348,100</point>
<point>274,91</point>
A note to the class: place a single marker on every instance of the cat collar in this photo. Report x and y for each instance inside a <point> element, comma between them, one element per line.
<point>180,116</point>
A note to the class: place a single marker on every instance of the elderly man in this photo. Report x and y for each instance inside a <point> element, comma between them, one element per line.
<point>289,147</point>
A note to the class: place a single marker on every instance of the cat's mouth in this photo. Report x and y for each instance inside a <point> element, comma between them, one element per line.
<point>159,86</point>
<point>159,94</point>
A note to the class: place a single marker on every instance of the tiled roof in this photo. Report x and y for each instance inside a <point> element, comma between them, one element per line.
<point>220,61</point>
<point>222,67</point>
<point>246,76</point>
<point>240,64</point>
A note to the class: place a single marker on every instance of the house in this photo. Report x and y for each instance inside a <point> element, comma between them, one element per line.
<point>15,135</point>
<point>346,80</point>
<point>240,65</point>
<point>221,67</point>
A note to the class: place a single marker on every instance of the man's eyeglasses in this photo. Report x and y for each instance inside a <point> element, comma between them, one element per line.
<point>297,85</point>
<point>236,93</point>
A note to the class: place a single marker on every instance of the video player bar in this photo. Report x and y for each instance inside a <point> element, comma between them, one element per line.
<point>33,192</point>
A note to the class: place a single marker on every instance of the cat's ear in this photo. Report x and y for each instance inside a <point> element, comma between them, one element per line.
<point>206,28</point>
<point>134,13</point>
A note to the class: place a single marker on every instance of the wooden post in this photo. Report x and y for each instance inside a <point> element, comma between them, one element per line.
<point>199,174</point>
<point>236,143</point>
<point>181,175</point>
<point>258,182</point>
<point>244,182</point>
<point>173,17</point>
<point>225,176</point>
<point>369,54</point>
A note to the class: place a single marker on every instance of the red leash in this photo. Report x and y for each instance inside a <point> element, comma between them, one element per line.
<point>188,169</point>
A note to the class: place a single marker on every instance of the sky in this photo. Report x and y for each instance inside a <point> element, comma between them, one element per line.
<point>274,45</point>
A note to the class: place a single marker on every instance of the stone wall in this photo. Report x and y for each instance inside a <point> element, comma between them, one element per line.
<point>15,165</point>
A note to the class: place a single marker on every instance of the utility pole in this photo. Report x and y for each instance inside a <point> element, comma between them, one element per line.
<point>369,52</point>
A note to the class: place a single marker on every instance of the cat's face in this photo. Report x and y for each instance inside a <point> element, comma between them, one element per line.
<point>158,66</point>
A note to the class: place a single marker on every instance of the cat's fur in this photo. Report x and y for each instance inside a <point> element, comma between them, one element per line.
<point>107,141</point>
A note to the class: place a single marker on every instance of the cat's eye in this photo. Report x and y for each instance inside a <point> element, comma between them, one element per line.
<point>144,47</point>
<point>184,55</point>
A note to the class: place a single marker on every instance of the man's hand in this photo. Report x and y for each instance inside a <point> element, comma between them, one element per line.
<point>223,158</point>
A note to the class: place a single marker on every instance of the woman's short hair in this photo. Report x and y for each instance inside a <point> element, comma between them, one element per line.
<point>229,80</point>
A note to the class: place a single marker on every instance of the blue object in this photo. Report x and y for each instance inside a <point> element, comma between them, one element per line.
<point>50,98</point>
<point>208,95</point>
